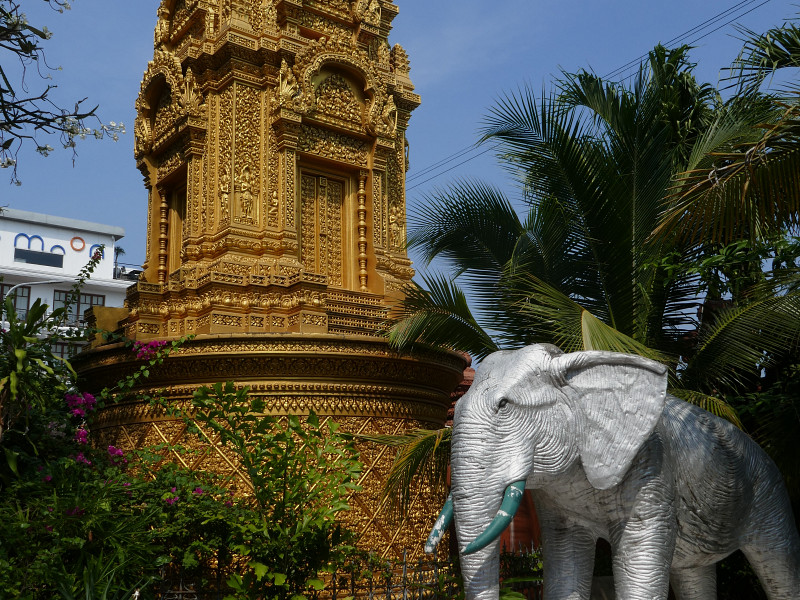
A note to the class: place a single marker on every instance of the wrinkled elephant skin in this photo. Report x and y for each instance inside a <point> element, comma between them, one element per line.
<point>608,453</point>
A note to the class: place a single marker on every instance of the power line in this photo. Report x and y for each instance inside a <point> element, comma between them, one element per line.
<point>704,25</point>
<point>445,160</point>
<point>708,23</point>
<point>453,167</point>
<point>626,67</point>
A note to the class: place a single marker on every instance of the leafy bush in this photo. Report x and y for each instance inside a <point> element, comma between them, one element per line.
<point>81,521</point>
<point>301,475</point>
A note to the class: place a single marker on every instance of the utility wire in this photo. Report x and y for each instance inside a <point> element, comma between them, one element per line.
<point>713,21</point>
<point>626,67</point>
<point>453,167</point>
<point>445,160</point>
<point>704,25</point>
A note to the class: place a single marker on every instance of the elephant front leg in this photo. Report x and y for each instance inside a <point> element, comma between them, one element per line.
<point>643,549</point>
<point>568,557</point>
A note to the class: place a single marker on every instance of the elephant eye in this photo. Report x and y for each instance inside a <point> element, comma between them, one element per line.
<point>502,403</point>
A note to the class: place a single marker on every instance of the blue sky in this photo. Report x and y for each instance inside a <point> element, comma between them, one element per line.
<point>464,55</point>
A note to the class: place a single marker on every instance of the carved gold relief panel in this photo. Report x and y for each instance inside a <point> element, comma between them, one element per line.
<point>338,100</point>
<point>224,151</point>
<point>247,155</point>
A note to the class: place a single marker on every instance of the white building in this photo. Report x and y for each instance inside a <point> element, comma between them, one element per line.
<point>45,254</point>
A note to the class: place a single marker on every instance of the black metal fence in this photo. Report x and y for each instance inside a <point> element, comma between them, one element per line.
<point>374,579</point>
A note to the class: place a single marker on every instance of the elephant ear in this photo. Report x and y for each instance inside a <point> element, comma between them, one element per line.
<point>619,399</point>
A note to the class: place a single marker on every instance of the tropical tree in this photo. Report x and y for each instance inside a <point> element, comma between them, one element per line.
<point>583,267</point>
<point>34,116</point>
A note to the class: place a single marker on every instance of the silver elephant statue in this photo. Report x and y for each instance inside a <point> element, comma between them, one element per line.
<point>607,453</point>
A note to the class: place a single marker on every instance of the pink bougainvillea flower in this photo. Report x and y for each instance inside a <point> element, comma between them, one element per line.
<point>81,436</point>
<point>80,458</point>
<point>198,491</point>
<point>89,401</point>
<point>148,350</point>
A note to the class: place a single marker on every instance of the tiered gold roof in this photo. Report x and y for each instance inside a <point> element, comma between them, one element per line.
<point>271,138</point>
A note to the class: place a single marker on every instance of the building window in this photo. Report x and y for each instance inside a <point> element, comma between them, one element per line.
<point>34,257</point>
<point>77,304</point>
<point>66,349</point>
<point>21,298</point>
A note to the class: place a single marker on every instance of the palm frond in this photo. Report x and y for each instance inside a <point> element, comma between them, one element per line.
<point>763,54</point>
<point>742,339</point>
<point>713,404</point>
<point>470,224</point>
<point>423,457</point>
<point>438,316</point>
<point>558,319</point>
<point>746,187</point>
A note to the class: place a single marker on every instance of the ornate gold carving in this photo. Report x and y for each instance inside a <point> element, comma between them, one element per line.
<point>224,194</point>
<point>318,320</point>
<point>398,59</point>
<point>308,198</point>
<point>225,129</point>
<point>362,230</point>
<point>397,227</point>
<point>324,25</point>
<point>333,231</point>
<point>289,178</point>
<point>389,116</point>
<point>333,145</point>
<point>161,34</point>
<point>191,99</point>
<point>287,86</point>
<point>196,196</point>
<point>265,18</point>
<point>246,195</point>
<point>149,328</point>
<point>227,320</point>
<point>336,98</point>
<point>321,226</point>
<point>368,11</point>
<point>340,8</point>
<point>248,151</point>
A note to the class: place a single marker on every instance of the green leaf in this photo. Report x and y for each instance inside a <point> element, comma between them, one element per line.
<point>21,355</point>
<point>11,459</point>
<point>315,584</point>
<point>260,569</point>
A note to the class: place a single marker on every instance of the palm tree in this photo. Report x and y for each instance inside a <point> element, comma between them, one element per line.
<point>583,268</point>
<point>751,188</point>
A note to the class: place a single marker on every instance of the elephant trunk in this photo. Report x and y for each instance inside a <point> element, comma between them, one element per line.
<point>480,569</point>
<point>477,499</point>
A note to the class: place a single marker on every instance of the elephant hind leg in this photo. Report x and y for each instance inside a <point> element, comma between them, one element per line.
<point>694,583</point>
<point>778,569</point>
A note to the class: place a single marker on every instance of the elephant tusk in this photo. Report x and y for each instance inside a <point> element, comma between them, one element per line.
<point>441,525</point>
<point>508,508</point>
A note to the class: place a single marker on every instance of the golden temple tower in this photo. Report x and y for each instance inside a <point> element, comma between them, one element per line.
<point>271,138</point>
